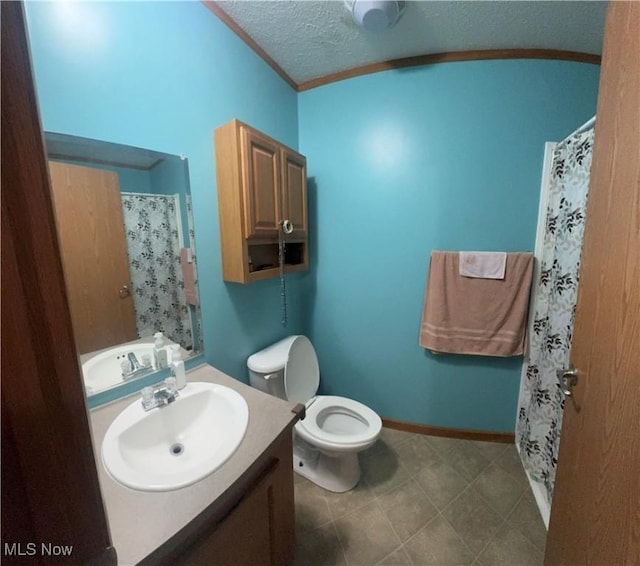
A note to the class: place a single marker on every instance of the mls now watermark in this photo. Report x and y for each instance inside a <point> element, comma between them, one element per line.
<point>36,549</point>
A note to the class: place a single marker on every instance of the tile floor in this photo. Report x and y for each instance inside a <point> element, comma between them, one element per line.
<point>423,500</point>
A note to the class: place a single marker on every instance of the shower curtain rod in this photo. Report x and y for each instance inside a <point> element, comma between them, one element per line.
<point>587,125</point>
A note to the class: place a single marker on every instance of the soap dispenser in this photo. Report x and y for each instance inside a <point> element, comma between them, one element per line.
<point>159,351</point>
<point>177,366</point>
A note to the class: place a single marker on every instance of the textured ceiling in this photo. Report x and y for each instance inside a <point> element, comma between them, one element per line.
<point>313,38</point>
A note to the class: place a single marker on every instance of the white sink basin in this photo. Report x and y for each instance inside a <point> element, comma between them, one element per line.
<point>177,445</point>
<point>103,370</point>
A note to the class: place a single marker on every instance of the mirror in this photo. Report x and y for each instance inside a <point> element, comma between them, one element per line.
<point>125,227</point>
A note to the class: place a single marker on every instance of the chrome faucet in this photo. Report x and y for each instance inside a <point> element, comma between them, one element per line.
<point>132,366</point>
<point>133,360</point>
<point>160,396</point>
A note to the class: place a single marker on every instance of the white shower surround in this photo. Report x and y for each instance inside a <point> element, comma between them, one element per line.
<point>549,147</point>
<point>542,490</point>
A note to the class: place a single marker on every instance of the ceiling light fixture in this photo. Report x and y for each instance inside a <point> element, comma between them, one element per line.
<point>375,15</point>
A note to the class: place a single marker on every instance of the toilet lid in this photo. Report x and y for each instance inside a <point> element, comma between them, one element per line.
<point>301,373</point>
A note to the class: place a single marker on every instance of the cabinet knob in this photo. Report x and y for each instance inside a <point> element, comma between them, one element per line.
<point>287,226</point>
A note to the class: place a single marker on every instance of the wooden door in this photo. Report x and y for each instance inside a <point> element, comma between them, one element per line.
<point>261,180</point>
<point>50,490</point>
<point>595,514</point>
<point>294,191</point>
<point>94,255</point>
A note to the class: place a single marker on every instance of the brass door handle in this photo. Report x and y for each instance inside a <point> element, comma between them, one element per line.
<point>567,378</point>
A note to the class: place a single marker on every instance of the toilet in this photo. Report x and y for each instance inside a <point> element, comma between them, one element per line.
<point>327,441</point>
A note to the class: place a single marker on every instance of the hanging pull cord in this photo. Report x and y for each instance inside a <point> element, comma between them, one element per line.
<point>285,227</point>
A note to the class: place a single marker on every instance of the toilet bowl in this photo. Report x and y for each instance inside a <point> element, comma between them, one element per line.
<point>335,429</point>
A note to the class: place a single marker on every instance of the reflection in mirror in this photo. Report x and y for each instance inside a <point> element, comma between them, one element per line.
<point>126,236</point>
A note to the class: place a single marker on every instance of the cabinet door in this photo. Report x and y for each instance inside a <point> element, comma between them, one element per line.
<point>245,536</point>
<point>261,181</point>
<point>294,191</point>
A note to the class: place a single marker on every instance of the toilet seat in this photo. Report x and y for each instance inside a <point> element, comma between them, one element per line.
<point>335,429</point>
<point>301,370</point>
<point>339,424</point>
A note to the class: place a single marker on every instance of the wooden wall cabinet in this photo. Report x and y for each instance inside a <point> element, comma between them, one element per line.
<point>260,183</point>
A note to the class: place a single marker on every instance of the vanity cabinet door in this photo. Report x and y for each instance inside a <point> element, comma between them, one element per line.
<point>259,530</point>
<point>261,173</point>
<point>244,536</point>
<point>294,191</point>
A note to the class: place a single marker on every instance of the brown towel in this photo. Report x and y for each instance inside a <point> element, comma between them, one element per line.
<point>188,276</point>
<point>483,317</point>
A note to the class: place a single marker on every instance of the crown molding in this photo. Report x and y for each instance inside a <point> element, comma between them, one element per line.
<point>244,36</point>
<point>402,63</point>
<point>450,57</point>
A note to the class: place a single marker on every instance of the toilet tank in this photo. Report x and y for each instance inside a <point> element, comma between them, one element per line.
<point>266,367</point>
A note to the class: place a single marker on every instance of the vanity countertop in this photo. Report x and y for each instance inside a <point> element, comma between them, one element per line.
<point>185,354</point>
<point>141,521</point>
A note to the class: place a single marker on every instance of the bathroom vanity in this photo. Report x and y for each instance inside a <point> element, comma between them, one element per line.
<point>243,513</point>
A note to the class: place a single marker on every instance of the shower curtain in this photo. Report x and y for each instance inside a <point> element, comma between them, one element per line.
<point>153,244</point>
<point>541,400</point>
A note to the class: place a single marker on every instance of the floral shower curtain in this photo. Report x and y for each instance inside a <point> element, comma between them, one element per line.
<point>541,400</point>
<point>152,231</point>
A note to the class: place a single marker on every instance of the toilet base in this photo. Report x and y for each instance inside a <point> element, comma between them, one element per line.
<point>337,473</point>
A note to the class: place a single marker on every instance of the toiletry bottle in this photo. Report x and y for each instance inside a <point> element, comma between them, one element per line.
<point>177,366</point>
<point>159,351</point>
<point>174,353</point>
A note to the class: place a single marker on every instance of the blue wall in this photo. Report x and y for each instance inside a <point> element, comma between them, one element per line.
<point>129,180</point>
<point>163,75</point>
<point>446,156</point>
<point>441,157</point>
<point>169,177</point>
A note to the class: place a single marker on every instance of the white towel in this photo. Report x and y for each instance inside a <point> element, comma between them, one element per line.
<point>483,265</point>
